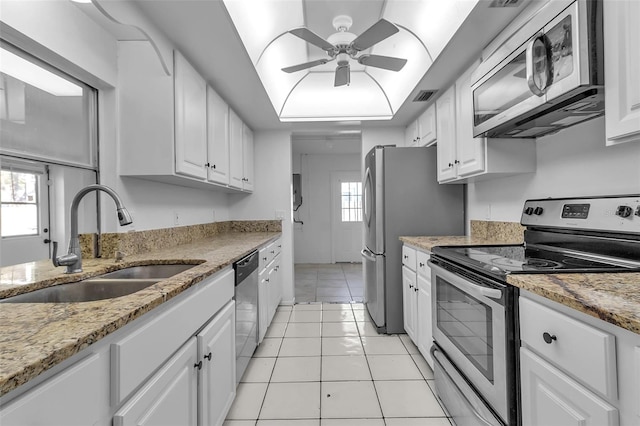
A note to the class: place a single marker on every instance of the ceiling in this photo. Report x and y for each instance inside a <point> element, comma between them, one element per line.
<point>206,36</point>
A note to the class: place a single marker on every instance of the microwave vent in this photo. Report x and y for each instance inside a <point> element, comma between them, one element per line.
<point>424,95</point>
<point>505,3</point>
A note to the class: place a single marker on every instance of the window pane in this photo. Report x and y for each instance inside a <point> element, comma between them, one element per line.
<point>19,219</point>
<point>38,104</point>
<point>351,201</point>
<point>18,187</point>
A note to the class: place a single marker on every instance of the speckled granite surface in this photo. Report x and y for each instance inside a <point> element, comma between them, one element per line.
<point>614,298</point>
<point>36,336</point>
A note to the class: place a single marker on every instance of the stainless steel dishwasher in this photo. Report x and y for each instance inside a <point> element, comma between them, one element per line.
<point>246,297</point>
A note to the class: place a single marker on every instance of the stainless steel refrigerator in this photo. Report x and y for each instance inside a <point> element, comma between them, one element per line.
<point>402,197</point>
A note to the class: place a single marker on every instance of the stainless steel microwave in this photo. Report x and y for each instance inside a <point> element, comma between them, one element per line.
<point>552,79</point>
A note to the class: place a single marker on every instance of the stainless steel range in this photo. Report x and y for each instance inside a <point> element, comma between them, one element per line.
<point>475,310</point>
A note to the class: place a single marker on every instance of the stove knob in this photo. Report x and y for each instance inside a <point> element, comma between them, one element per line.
<point>528,211</point>
<point>624,211</point>
<point>637,211</point>
<point>538,211</point>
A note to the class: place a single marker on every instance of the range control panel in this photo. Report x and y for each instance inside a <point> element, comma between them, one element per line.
<point>612,214</point>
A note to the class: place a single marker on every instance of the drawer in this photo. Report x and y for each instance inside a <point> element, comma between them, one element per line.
<point>277,247</point>
<point>409,257</point>
<point>264,258</point>
<point>585,352</point>
<point>136,356</point>
<point>423,268</point>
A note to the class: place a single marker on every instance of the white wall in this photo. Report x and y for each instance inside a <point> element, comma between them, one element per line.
<point>313,239</point>
<point>573,162</point>
<point>272,192</point>
<point>87,51</point>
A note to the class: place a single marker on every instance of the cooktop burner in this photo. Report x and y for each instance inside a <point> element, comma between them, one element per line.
<point>516,259</point>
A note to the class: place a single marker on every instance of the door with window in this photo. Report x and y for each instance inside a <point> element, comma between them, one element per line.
<point>24,213</point>
<point>346,207</point>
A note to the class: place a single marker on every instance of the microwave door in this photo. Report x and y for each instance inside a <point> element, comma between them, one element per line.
<point>571,58</point>
<point>504,93</point>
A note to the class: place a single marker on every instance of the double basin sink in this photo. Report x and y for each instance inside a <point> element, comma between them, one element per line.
<point>107,286</point>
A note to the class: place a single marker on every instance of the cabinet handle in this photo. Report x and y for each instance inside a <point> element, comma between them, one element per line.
<point>410,286</point>
<point>415,288</point>
<point>198,365</point>
<point>264,258</point>
<point>208,356</point>
<point>421,264</point>
<point>266,280</point>
<point>406,257</point>
<point>280,246</point>
<point>549,338</point>
<point>214,166</point>
<point>207,165</point>
<point>272,251</point>
<point>450,164</point>
<point>456,162</point>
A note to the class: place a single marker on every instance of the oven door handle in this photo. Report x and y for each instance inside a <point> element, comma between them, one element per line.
<point>474,410</point>
<point>466,285</point>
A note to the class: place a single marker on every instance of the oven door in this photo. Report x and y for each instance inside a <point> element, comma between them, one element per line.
<point>469,318</point>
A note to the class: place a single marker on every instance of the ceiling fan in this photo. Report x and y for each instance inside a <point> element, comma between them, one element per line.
<point>344,45</point>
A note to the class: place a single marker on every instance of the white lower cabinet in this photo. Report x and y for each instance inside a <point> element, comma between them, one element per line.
<point>409,302</point>
<point>550,397</point>
<point>217,384</point>
<point>169,397</point>
<point>416,298</point>
<point>576,369</point>
<point>173,366</point>
<point>75,396</point>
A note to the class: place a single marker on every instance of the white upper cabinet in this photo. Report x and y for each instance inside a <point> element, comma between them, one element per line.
<point>190,119</point>
<point>422,131</point>
<point>427,134</point>
<point>622,70</point>
<point>463,158</point>
<point>217,138</point>
<point>235,150</point>
<point>173,129</point>
<point>247,158</point>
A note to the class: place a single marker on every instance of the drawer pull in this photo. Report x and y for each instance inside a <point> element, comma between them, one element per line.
<point>198,365</point>
<point>549,338</point>
<point>208,356</point>
<point>421,265</point>
<point>406,257</point>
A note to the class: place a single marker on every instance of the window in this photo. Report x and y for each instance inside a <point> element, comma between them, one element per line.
<point>351,194</point>
<point>19,203</point>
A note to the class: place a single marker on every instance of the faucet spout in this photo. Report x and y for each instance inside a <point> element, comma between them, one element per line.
<point>73,259</point>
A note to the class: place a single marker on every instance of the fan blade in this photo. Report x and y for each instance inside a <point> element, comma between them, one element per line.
<point>304,66</point>
<point>313,38</point>
<point>374,34</point>
<point>385,62</point>
<point>343,76</point>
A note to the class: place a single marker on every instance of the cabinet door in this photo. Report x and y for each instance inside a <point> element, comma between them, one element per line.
<point>191,119</point>
<point>217,138</point>
<point>409,299</point>
<point>235,150</point>
<point>470,151</point>
<point>77,396</point>
<point>217,384</point>
<point>446,124</point>
<point>424,320</point>
<point>169,397</point>
<point>263,304</point>
<point>427,127</point>
<point>247,158</point>
<point>550,398</point>
<point>411,134</point>
<point>622,65</point>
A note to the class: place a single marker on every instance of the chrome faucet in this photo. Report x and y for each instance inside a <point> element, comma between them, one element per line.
<point>73,259</point>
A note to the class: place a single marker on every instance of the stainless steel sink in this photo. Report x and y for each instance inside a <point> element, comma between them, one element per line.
<point>83,291</point>
<point>108,286</point>
<point>148,271</point>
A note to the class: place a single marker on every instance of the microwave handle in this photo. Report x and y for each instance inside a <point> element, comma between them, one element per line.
<point>531,82</point>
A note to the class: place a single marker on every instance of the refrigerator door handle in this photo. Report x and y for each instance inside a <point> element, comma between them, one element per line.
<point>368,254</point>
<point>367,198</point>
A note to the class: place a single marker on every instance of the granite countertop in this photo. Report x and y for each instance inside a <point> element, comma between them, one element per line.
<point>611,297</point>
<point>36,336</point>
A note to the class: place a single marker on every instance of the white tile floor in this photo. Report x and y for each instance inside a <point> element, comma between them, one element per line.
<point>338,282</point>
<point>324,364</point>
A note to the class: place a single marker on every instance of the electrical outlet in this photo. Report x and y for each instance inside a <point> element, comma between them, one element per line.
<point>176,218</point>
<point>279,214</point>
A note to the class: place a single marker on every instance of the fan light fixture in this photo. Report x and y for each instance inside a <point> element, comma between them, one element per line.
<point>343,45</point>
